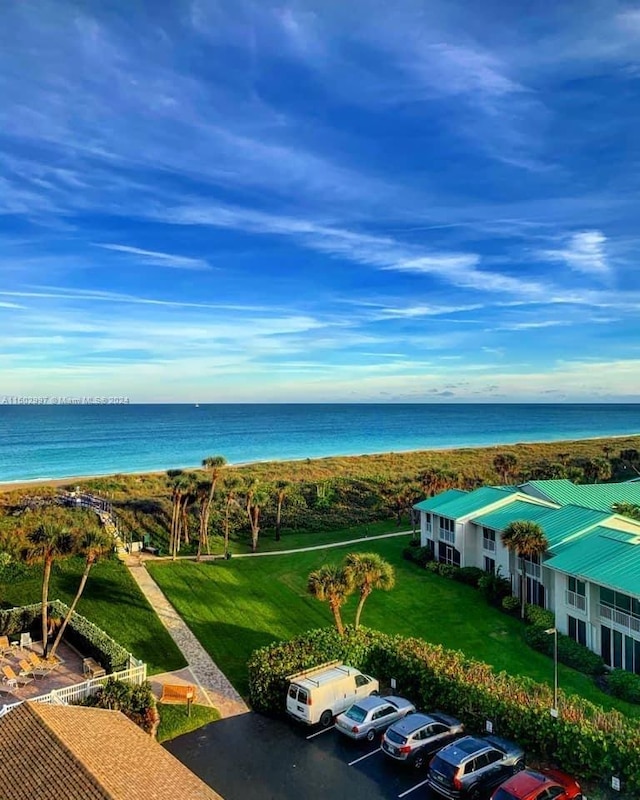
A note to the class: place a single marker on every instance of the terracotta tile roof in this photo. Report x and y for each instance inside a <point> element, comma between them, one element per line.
<point>76,753</point>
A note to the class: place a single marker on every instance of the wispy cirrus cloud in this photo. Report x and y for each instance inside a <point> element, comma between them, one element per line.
<point>584,252</point>
<point>158,259</point>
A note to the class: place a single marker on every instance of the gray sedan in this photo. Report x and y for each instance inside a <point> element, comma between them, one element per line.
<point>372,715</point>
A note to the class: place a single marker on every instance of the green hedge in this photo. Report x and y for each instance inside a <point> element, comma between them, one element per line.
<point>585,739</point>
<point>569,651</point>
<point>540,617</point>
<point>88,638</point>
<point>135,702</point>
<point>419,555</point>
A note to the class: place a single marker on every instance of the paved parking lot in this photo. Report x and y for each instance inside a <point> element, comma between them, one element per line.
<point>251,757</point>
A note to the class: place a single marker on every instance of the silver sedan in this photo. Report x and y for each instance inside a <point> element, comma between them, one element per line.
<point>372,715</point>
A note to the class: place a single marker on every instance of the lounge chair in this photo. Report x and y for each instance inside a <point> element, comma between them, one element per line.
<point>26,669</point>
<point>5,645</point>
<point>25,640</point>
<point>13,680</point>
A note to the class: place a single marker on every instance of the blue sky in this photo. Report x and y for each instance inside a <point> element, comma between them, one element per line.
<point>329,201</point>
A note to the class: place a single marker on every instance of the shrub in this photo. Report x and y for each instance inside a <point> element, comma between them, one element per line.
<point>511,604</point>
<point>585,739</point>
<point>469,575</point>
<point>625,685</point>
<point>420,555</point>
<point>136,702</point>
<point>494,586</point>
<point>539,617</point>
<point>569,651</point>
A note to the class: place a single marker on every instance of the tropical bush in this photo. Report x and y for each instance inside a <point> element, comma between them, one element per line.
<point>495,587</point>
<point>625,685</point>
<point>469,575</point>
<point>585,739</point>
<point>136,702</point>
<point>541,617</point>
<point>420,555</point>
<point>511,604</point>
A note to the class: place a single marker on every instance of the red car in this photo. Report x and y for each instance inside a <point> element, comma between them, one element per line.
<point>548,784</point>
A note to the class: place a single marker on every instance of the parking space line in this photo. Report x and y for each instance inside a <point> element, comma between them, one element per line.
<point>362,758</point>
<point>413,788</point>
<point>319,733</point>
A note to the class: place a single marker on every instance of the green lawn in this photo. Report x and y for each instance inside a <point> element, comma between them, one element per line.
<point>236,606</point>
<point>174,719</point>
<point>112,601</point>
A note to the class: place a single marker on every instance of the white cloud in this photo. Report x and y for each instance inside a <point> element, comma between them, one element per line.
<point>158,259</point>
<point>584,252</point>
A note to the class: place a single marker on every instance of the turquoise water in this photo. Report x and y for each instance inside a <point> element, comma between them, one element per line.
<point>63,441</point>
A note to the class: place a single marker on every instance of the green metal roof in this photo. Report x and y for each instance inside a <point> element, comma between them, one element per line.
<point>557,524</point>
<point>432,503</point>
<point>471,502</point>
<point>603,556</point>
<point>599,496</point>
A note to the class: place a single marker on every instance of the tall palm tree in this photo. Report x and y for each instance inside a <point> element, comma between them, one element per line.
<point>49,542</point>
<point>283,489</point>
<point>231,488</point>
<point>94,544</point>
<point>215,465</point>
<point>331,584</point>
<point>366,572</point>
<point>527,540</point>
<point>255,498</point>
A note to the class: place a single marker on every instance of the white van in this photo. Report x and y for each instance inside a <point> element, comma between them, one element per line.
<point>318,694</point>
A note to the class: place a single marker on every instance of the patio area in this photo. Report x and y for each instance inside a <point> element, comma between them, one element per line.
<point>68,672</point>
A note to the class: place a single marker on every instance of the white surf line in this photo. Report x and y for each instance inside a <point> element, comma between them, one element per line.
<point>362,758</point>
<point>319,733</point>
<point>413,788</point>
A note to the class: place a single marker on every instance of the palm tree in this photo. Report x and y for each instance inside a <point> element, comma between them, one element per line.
<point>49,542</point>
<point>231,488</point>
<point>94,544</point>
<point>255,498</point>
<point>366,572</point>
<point>527,540</point>
<point>505,464</point>
<point>627,510</point>
<point>282,491</point>
<point>597,469</point>
<point>331,584</point>
<point>215,465</point>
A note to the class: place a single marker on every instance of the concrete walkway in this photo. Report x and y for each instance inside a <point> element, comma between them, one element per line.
<point>213,686</point>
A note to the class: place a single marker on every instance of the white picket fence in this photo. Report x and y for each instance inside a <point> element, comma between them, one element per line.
<point>69,695</point>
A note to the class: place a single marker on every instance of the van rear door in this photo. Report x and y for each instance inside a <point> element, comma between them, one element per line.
<point>298,702</point>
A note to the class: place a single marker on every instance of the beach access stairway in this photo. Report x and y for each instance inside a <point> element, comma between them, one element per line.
<point>104,510</point>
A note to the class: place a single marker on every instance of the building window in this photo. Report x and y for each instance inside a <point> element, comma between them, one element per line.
<point>535,593</point>
<point>447,530</point>
<point>618,650</point>
<point>448,554</point>
<point>576,594</point>
<point>427,523</point>
<point>489,539</point>
<point>490,565</point>
<point>578,630</point>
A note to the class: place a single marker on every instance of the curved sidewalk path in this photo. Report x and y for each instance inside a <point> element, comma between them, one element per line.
<point>213,686</point>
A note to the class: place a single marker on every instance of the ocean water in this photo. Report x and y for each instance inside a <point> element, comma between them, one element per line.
<point>72,440</point>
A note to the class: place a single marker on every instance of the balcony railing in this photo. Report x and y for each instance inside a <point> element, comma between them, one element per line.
<point>489,544</point>
<point>578,601</point>
<point>447,536</point>
<point>620,618</point>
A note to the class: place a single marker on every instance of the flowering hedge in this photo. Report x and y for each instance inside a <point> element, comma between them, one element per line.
<point>585,739</point>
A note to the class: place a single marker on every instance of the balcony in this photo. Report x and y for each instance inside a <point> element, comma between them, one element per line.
<point>447,536</point>
<point>619,618</point>
<point>489,544</point>
<point>578,601</point>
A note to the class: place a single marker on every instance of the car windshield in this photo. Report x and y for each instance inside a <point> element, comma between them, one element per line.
<point>396,738</point>
<point>356,713</point>
<point>503,794</point>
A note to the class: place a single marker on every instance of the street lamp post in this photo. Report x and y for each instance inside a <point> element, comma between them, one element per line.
<point>554,631</point>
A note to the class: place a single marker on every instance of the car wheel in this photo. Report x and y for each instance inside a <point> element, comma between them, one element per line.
<point>419,761</point>
<point>475,794</point>
<point>326,718</point>
<point>519,765</point>
<point>371,734</point>
<point>375,693</point>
